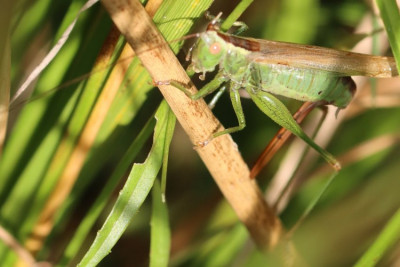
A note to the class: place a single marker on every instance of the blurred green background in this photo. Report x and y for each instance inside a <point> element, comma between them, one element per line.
<point>205,232</point>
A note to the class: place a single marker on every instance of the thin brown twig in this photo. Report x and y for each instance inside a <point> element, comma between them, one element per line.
<point>279,140</point>
<point>22,253</point>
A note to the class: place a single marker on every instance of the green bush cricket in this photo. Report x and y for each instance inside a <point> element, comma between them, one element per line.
<point>264,68</point>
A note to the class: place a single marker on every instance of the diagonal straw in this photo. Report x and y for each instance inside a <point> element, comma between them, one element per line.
<point>52,53</point>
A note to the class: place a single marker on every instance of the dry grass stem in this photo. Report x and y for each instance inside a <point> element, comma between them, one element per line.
<point>221,156</point>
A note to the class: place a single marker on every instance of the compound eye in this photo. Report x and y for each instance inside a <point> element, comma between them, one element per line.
<point>215,48</point>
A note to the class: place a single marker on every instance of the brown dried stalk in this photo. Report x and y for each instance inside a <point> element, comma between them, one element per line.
<point>221,156</point>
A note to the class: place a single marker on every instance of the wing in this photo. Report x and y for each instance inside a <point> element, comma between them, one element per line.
<point>340,63</point>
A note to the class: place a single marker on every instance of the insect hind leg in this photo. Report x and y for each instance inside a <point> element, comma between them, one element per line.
<point>283,135</point>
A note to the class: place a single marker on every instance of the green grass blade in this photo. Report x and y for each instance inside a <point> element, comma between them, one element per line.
<point>31,132</point>
<point>169,134</point>
<point>391,18</point>
<point>93,214</point>
<point>44,168</point>
<point>132,196</point>
<point>225,253</point>
<point>236,13</point>
<point>91,88</point>
<point>160,230</point>
<point>387,238</point>
<point>314,202</point>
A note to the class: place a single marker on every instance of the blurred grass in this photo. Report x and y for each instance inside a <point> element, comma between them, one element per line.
<point>344,224</point>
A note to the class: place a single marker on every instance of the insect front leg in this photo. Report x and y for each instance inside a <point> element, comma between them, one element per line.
<point>210,87</point>
<point>278,112</point>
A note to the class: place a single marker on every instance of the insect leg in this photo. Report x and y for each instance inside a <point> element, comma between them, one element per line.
<point>242,27</point>
<point>215,99</point>
<point>237,107</point>
<point>278,112</point>
<point>210,87</point>
<point>282,135</point>
<point>216,21</point>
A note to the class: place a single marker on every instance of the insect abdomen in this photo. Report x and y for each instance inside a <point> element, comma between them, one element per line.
<point>302,84</point>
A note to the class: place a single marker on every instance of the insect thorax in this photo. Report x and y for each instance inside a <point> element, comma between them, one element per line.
<point>235,64</point>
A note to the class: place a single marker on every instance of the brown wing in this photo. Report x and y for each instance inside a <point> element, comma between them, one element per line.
<point>338,62</point>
